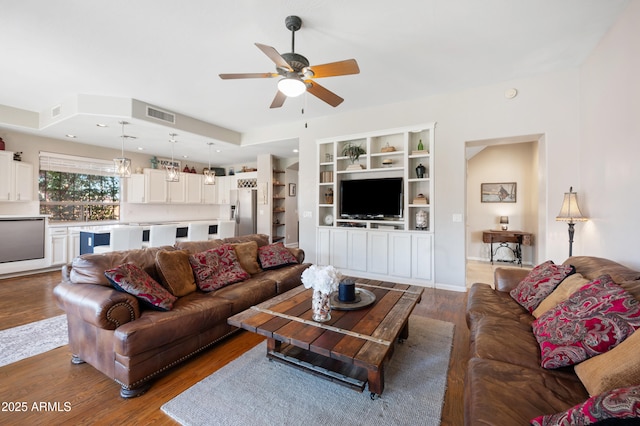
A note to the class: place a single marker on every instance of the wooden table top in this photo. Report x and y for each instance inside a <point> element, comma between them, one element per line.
<point>361,337</point>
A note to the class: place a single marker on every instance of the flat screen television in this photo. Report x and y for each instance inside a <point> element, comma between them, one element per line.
<point>371,198</point>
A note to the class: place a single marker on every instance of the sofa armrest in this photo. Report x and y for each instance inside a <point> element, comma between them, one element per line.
<point>298,253</point>
<point>506,279</point>
<point>101,306</point>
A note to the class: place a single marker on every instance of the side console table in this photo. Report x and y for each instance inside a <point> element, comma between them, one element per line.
<point>503,238</point>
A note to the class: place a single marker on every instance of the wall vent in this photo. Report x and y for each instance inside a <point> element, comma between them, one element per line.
<point>161,115</point>
<point>55,111</point>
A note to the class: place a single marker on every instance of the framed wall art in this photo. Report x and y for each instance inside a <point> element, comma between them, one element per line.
<point>504,192</point>
<point>292,190</point>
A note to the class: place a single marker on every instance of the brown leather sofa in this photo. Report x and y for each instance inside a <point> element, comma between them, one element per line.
<point>505,384</point>
<point>114,333</point>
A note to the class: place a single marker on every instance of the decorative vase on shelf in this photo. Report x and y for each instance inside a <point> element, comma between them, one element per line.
<point>328,196</point>
<point>420,145</point>
<point>420,170</point>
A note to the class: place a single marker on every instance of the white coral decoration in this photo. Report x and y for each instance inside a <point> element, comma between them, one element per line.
<point>324,279</point>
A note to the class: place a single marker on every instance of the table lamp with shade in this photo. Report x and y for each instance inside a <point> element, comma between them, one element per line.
<point>504,222</point>
<point>570,212</point>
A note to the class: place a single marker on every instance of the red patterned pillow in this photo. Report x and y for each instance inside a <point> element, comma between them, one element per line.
<point>591,321</point>
<point>540,283</point>
<point>623,403</point>
<point>217,267</point>
<point>134,280</point>
<point>275,255</point>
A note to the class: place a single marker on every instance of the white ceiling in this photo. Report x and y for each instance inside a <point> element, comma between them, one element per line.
<point>169,53</point>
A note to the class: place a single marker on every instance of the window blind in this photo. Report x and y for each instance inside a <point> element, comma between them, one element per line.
<point>56,162</point>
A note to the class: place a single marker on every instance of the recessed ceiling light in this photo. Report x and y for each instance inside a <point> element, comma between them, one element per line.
<point>295,149</point>
<point>217,150</point>
<point>185,156</point>
<point>101,125</point>
<point>140,148</point>
<point>69,135</point>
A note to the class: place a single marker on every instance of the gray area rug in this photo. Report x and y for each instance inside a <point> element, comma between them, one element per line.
<point>251,390</point>
<point>32,339</point>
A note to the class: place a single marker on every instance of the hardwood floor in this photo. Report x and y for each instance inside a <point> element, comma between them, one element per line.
<point>56,392</point>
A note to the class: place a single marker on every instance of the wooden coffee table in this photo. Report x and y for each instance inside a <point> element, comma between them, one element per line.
<point>352,348</point>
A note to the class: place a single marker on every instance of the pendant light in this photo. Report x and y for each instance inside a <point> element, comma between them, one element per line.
<point>209,175</point>
<point>173,173</point>
<point>122,164</point>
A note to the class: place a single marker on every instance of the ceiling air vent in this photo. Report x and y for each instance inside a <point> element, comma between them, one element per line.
<point>55,111</point>
<point>161,115</point>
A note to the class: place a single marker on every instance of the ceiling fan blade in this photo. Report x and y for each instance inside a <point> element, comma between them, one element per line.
<point>349,66</point>
<point>248,75</point>
<point>278,101</point>
<point>324,94</point>
<point>273,54</point>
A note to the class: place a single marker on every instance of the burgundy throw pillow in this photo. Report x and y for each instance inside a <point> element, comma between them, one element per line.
<point>132,279</point>
<point>623,403</point>
<point>274,256</point>
<point>217,267</point>
<point>591,321</point>
<point>540,283</point>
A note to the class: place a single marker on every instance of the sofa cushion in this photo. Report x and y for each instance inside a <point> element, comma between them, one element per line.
<point>133,280</point>
<point>498,393</point>
<point>539,283</point>
<point>622,403</point>
<point>566,288</point>
<point>247,293</point>
<point>483,300</point>
<point>286,278</point>
<point>618,368</point>
<point>247,254</point>
<point>593,320</point>
<point>175,272</point>
<point>216,268</point>
<point>275,256</point>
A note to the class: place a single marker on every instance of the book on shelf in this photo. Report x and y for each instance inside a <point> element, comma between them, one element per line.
<point>420,152</point>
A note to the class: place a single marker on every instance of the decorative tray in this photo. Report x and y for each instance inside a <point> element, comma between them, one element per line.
<point>364,298</point>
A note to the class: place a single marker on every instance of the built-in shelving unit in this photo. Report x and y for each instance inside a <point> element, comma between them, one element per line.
<point>399,248</point>
<point>279,197</point>
<point>391,153</point>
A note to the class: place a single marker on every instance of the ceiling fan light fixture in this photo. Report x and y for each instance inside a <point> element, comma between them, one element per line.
<point>292,86</point>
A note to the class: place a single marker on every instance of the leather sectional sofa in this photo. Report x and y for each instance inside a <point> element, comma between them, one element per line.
<point>505,383</point>
<point>131,344</point>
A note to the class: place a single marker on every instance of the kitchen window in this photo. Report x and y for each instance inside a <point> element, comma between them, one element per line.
<point>78,189</point>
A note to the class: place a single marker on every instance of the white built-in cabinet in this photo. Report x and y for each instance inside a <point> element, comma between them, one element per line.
<point>16,179</point>
<point>151,187</point>
<point>58,246</point>
<point>391,249</point>
<point>223,184</point>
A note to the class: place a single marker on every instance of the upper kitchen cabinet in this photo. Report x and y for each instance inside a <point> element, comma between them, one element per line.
<point>16,179</point>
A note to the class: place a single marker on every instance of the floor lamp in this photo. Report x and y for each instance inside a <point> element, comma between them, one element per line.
<point>570,212</point>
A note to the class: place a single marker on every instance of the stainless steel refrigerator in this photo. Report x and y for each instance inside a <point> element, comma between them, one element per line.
<point>244,207</point>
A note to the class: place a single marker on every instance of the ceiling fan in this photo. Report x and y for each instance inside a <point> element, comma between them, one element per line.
<point>297,75</point>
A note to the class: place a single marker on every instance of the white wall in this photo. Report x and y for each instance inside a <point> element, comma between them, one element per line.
<point>610,144</point>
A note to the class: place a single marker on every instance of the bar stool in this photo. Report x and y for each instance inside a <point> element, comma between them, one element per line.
<point>122,238</point>
<point>198,231</point>
<point>161,235</point>
<point>226,229</point>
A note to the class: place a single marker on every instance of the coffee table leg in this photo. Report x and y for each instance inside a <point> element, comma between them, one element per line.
<point>273,345</point>
<point>375,380</point>
<point>404,333</point>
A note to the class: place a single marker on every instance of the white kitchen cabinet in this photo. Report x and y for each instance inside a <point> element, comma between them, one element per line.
<point>16,179</point>
<point>73,244</point>
<point>155,186</point>
<point>223,184</point>
<point>58,246</point>
<point>177,191</point>
<point>194,186</point>
<point>210,193</point>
